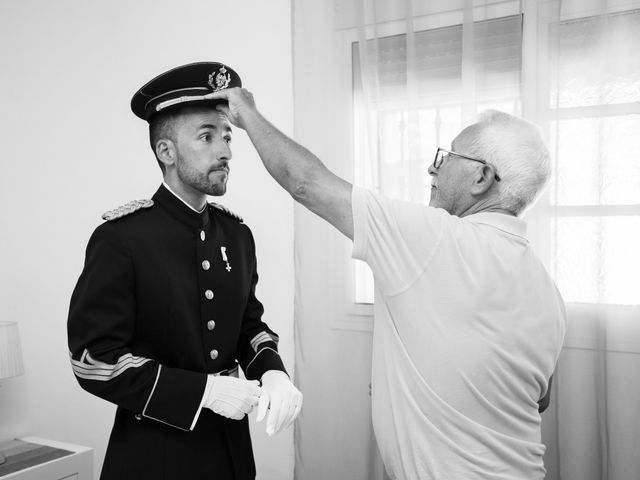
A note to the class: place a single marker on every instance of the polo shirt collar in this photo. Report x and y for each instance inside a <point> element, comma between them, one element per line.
<point>506,223</point>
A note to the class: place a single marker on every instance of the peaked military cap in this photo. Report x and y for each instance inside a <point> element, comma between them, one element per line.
<point>189,84</point>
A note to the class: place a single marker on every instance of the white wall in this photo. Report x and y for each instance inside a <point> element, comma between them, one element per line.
<point>71,149</point>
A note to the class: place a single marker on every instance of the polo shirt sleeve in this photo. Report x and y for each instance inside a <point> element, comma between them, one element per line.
<point>396,239</point>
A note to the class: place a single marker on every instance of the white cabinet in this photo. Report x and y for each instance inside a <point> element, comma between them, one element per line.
<point>77,466</point>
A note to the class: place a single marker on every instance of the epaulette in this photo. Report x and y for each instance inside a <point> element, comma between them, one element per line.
<point>226,211</point>
<point>126,209</point>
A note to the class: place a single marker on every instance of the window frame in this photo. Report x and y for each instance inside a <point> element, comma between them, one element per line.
<point>349,315</point>
<point>596,327</point>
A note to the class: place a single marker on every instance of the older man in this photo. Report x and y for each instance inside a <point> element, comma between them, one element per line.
<point>468,324</point>
<point>165,310</point>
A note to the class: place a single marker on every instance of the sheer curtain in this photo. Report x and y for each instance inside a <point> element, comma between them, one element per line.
<point>420,72</point>
<point>418,80</point>
<point>594,233</point>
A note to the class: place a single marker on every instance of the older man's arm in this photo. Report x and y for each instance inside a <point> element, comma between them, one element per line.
<point>294,167</point>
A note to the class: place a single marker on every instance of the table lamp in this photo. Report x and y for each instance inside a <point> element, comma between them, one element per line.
<point>10,356</point>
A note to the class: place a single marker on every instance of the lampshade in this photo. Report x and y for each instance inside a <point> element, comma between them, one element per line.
<point>10,351</point>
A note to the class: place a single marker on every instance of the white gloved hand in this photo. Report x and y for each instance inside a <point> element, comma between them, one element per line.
<point>282,398</point>
<point>231,397</point>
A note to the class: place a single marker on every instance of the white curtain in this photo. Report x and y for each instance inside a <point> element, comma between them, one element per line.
<point>420,72</point>
<point>594,232</point>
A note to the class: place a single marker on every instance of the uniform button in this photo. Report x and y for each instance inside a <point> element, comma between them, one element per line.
<point>202,235</point>
<point>211,324</point>
<point>213,354</point>
<point>206,265</point>
<point>208,294</point>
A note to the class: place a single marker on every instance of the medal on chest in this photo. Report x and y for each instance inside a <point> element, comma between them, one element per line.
<point>225,259</point>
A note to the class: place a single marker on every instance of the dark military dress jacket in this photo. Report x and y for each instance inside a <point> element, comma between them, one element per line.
<point>167,296</point>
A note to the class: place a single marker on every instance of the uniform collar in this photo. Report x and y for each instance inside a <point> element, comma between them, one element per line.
<point>506,223</point>
<point>166,185</point>
<point>179,209</point>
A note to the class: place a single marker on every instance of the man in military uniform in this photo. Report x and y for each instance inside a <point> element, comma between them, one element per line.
<point>165,307</point>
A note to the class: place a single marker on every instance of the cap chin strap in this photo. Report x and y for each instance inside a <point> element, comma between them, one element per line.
<point>186,98</point>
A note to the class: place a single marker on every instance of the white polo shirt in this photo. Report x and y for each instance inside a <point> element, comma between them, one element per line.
<point>468,328</point>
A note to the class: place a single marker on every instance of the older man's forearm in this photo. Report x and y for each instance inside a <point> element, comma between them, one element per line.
<point>294,167</point>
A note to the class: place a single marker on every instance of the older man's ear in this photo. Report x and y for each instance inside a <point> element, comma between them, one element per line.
<point>485,178</point>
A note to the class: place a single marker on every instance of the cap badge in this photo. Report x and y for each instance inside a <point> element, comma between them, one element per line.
<point>220,80</point>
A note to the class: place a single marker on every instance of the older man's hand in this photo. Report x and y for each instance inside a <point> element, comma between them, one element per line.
<point>240,105</point>
<point>281,398</point>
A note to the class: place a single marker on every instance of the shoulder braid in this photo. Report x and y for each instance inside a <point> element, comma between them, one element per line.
<point>126,209</point>
<point>226,211</point>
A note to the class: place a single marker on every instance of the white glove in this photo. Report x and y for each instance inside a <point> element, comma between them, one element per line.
<point>282,398</point>
<point>231,397</point>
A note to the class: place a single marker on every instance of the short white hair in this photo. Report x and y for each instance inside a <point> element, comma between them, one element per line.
<point>514,146</point>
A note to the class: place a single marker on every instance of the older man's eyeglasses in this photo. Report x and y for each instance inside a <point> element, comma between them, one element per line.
<point>442,155</point>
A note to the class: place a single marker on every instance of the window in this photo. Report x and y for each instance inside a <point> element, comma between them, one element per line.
<point>434,90</point>
<point>595,232</point>
<point>594,112</point>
